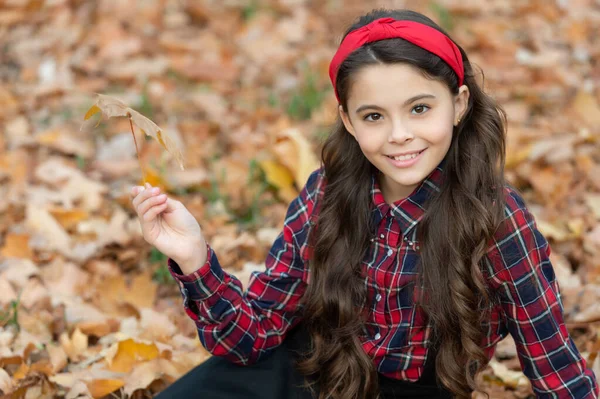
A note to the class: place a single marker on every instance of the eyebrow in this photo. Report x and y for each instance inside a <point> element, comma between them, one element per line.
<point>410,100</point>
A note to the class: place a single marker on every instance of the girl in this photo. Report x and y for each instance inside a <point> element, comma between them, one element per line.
<point>404,260</point>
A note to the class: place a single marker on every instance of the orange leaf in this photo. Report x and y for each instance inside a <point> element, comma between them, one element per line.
<point>103,387</point>
<point>21,372</point>
<point>131,352</point>
<point>68,218</point>
<point>16,246</point>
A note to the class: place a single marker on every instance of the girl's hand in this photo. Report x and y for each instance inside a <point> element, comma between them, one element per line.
<point>170,227</point>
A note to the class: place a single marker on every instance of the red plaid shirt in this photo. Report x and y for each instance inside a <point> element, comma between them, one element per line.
<point>244,326</point>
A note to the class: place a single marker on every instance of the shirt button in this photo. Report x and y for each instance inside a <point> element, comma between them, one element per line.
<point>378,297</point>
<point>390,252</point>
<point>377,336</point>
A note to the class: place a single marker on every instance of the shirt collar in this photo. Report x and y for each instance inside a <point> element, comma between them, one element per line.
<point>407,211</point>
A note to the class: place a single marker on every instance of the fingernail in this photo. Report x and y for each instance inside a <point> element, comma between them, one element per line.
<point>155,190</point>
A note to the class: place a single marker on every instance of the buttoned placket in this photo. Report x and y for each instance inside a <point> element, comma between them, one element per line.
<point>394,237</point>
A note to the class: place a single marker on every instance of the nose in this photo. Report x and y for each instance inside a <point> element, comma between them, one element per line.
<point>400,133</point>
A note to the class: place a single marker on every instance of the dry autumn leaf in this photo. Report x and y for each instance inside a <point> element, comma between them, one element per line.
<point>102,387</point>
<point>279,176</point>
<point>111,107</point>
<point>129,352</point>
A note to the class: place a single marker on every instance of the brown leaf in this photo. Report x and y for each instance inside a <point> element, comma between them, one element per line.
<point>112,107</point>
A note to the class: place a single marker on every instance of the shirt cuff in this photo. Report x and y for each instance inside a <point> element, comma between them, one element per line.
<point>202,283</point>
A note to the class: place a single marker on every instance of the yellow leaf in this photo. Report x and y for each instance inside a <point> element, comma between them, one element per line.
<point>277,174</point>
<point>102,387</point>
<point>112,107</point>
<point>91,112</point>
<point>307,160</point>
<point>130,353</point>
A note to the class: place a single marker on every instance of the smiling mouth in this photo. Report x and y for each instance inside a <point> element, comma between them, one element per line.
<point>406,157</point>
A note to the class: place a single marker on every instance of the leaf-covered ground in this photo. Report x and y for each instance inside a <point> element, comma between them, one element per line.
<point>88,308</point>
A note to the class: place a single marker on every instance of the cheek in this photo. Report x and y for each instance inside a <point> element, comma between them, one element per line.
<point>370,142</point>
<point>440,136</point>
<point>439,129</point>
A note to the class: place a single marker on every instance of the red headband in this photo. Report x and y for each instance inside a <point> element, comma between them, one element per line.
<point>422,35</point>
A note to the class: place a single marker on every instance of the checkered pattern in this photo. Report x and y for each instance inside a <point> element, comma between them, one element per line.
<point>245,326</point>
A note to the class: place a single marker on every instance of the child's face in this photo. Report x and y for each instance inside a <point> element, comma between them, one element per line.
<point>384,122</point>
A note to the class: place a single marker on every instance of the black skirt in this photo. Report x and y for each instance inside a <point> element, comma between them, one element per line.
<point>275,377</point>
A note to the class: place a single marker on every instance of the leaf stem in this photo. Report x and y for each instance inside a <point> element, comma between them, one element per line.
<point>137,151</point>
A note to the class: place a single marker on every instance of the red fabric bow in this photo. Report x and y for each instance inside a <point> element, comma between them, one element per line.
<point>417,33</point>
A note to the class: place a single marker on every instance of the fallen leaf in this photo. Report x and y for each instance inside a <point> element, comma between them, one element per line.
<point>17,246</point>
<point>102,387</point>
<point>130,352</point>
<point>280,177</point>
<point>299,158</point>
<point>145,373</point>
<point>6,382</point>
<point>75,345</point>
<point>156,325</point>
<point>68,218</point>
<point>58,356</point>
<point>511,378</point>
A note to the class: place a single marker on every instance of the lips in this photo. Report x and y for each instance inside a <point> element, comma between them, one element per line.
<point>417,153</point>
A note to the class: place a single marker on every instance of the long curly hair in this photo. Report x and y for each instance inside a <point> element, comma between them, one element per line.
<point>460,219</point>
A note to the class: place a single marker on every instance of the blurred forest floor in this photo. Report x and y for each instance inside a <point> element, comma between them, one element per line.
<point>89,309</point>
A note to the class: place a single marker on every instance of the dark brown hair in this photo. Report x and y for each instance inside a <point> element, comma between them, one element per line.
<point>459,220</point>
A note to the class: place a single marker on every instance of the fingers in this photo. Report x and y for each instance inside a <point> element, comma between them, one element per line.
<point>143,208</point>
<point>147,202</point>
<point>144,194</point>
<point>135,190</point>
<point>150,214</point>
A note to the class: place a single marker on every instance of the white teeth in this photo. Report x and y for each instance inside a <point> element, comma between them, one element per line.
<point>405,157</point>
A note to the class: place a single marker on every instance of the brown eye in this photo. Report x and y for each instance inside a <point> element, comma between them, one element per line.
<point>378,116</point>
<point>420,107</point>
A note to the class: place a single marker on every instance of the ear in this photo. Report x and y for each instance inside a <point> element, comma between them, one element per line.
<point>461,102</point>
<point>346,120</point>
